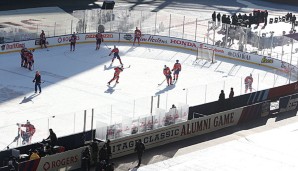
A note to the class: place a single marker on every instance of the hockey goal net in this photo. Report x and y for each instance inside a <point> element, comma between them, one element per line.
<point>206,53</point>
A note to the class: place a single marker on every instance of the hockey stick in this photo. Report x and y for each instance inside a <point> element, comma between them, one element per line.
<point>106,45</point>
<point>126,67</point>
<point>162,82</point>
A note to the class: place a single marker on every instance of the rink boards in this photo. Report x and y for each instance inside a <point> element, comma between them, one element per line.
<point>159,41</point>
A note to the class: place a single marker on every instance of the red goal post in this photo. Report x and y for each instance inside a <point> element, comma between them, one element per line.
<point>206,53</point>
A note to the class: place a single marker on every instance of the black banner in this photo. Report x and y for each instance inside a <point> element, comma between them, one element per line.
<point>288,103</point>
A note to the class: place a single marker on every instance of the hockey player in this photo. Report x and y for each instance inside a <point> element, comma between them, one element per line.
<point>116,54</point>
<point>99,39</point>
<point>72,41</point>
<point>138,35</point>
<point>116,74</point>
<point>30,60</point>
<point>27,131</point>
<point>167,72</point>
<point>23,57</point>
<point>248,83</point>
<point>26,57</point>
<point>42,39</point>
<point>176,69</point>
<point>37,80</point>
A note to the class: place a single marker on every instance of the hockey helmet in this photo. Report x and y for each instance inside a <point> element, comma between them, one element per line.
<point>165,66</point>
<point>250,74</point>
<point>177,60</point>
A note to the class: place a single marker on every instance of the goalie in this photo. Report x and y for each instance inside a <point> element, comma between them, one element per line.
<point>248,83</point>
<point>27,130</point>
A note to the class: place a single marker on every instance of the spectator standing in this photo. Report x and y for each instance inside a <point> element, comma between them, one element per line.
<point>86,159</point>
<point>218,16</point>
<point>250,20</point>
<point>221,100</point>
<point>265,17</point>
<point>101,165</point>
<point>109,151</point>
<point>139,148</point>
<point>214,16</point>
<point>228,20</point>
<point>103,153</point>
<point>231,95</point>
<point>221,96</point>
<point>293,21</point>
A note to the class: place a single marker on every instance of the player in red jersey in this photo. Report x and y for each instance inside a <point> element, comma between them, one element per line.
<point>27,131</point>
<point>167,72</point>
<point>116,55</point>
<point>23,57</point>
<point>42,39</point>
<point>248,83</point>
<point>138,35</point>
<point>30,60</point>
<point>176,69</point>
<point>73,40</point>
<point>99,39</point>
<point>116,74</point>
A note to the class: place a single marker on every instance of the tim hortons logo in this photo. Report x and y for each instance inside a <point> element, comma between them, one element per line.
<point>14,46</point>
<point>184,43</point>
<point>153,40</point>
<point>127,36</point>
<point>266,60</point>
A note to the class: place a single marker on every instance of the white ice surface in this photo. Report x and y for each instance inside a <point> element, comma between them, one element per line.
<point>77,81</point>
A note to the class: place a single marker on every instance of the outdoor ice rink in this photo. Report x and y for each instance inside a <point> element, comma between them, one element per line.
<point>77,81</point>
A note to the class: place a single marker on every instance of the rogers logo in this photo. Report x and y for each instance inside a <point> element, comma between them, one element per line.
<point>66,39</point>
<point>60,162</point>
